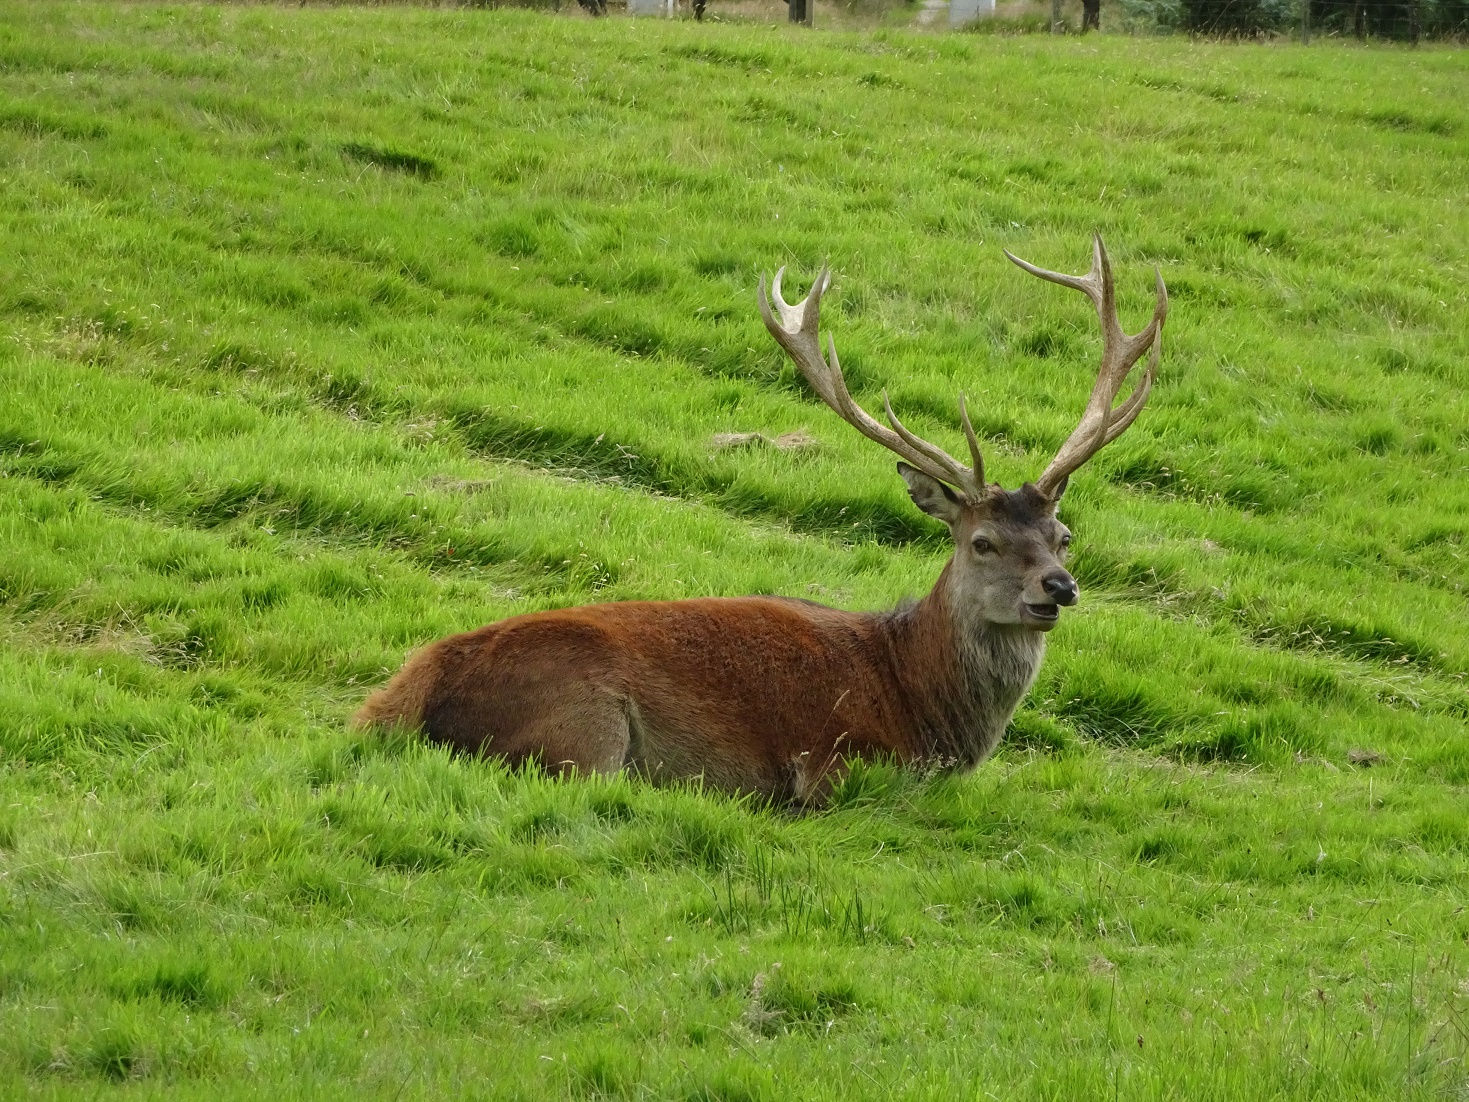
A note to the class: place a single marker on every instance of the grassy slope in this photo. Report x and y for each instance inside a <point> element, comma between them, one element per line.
<point>331,332</point>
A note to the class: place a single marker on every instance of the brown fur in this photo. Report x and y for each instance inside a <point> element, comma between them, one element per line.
<point>755,694</point>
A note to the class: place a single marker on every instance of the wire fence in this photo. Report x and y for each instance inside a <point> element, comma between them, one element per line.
<point>1396,20</point>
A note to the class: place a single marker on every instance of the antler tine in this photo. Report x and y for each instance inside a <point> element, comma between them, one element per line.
<point>944,466</point>
<point>1101,423</point>
<point>796,330</point>
<point>1125,414</point>
<point>973,441</point>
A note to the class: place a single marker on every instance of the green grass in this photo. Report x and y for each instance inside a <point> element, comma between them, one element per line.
<point>329,332</point>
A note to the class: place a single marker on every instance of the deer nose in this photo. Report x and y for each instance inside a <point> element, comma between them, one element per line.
<point>1060,587</point>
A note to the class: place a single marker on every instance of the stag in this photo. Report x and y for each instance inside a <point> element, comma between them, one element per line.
<point>772,695</point>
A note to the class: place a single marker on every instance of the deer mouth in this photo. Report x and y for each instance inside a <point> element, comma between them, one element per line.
<point>1043,616</point>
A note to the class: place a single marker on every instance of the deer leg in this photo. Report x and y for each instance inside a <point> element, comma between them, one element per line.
<point>814,775</point>
<point>583,730</point>
<point>523,715</point>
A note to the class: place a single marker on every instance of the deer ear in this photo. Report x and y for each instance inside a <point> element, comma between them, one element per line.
<point>931,495</point>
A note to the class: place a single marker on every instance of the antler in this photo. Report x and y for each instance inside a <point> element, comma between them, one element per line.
<point>1102,423</point>
<point>797,332</point>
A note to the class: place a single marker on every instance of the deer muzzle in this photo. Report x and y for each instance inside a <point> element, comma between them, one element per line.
<point>1060,587</point>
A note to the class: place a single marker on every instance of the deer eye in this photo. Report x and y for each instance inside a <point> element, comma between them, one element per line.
<point>982,546</point>
<point>1065,541</point>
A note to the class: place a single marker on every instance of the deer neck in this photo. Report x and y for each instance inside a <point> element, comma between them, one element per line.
<point>963,677</point>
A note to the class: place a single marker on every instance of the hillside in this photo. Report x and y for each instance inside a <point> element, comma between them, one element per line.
<point>330,332</point>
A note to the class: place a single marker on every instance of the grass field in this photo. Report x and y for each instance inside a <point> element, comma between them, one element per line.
<point>329,332</point>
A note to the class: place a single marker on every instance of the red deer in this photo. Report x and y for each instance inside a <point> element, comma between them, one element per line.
<point>773,695</point>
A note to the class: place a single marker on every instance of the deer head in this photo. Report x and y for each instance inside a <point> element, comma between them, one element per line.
<point>1009,547</point>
